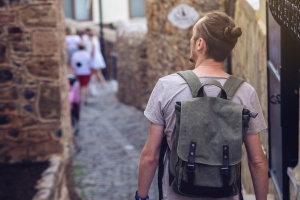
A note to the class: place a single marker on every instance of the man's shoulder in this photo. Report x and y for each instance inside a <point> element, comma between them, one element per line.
<point>171,79</point>
<point>247,87</point>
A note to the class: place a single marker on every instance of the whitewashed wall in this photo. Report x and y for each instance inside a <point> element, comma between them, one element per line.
<point>113,11</point>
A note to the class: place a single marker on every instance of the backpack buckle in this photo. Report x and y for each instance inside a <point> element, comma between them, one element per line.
<point>225,171</point>
<point>190,168</point>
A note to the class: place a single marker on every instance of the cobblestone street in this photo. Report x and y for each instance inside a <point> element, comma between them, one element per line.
<point>110,139</point>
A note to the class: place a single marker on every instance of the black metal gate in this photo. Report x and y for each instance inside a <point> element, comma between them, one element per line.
<point>283,85</point>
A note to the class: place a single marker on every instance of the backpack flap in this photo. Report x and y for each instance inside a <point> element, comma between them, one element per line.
<point>210,122</point>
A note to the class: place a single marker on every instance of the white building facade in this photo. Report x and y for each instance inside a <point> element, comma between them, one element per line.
<point>112,10</point>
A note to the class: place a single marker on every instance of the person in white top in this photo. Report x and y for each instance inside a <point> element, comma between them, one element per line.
<point>81,67</point>
<point>72,41</point>
<point>214,36</point>
<point>92,45</point>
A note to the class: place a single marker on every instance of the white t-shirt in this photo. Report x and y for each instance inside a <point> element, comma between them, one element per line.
<point>161,110</point>
<point>72,41</point>
<point>81,62</point>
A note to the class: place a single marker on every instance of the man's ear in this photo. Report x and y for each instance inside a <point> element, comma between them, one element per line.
<point>201,44</point>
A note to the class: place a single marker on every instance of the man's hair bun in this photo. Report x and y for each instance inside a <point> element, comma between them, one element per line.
<point>232,33</point>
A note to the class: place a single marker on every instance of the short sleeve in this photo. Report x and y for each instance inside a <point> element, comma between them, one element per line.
<point>256,124</point>
<point>153,109</point>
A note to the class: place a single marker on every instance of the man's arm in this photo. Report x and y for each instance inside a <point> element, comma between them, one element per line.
<point>149,159</point>
<point>258,165</point>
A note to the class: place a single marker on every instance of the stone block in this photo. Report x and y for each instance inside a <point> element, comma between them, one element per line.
<point>8,107</point>
<point>14,3</point>
<point>25,121</point>
<point>17,48</point>
<point>7,17</point>
<point>13,134</point>
<point>9,93</point>
<point>49,103</point>
<point>36,135</point>
<point>45,42</point>
<point>1,138</point>
<point>44,68</point>
<point>3,54</point>
<point>5,119</point>
<point>16,35</point>
<point>12,153</point>
<point>44,149</point>
<point>6,76</point>
<point>39,16</point>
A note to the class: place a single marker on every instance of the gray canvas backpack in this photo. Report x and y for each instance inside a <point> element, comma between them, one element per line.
<point>205,159</point>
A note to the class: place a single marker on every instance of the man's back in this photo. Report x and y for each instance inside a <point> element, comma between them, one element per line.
<point>173,88</point>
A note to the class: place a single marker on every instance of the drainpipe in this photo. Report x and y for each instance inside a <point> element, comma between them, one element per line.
<point>101,29</point>
<point>102,45</point>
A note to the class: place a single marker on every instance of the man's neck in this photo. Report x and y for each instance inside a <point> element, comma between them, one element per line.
<point>209,67</point>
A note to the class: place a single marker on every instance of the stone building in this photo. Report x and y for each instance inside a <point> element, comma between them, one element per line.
<point>35,132</point>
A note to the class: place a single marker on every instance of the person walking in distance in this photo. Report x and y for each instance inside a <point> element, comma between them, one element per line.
<point>92,45</point>
<point>72,41</point>
<point>81,67</point>
<point>213,38</point>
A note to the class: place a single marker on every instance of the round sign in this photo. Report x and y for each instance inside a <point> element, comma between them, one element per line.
<point>183,16</point>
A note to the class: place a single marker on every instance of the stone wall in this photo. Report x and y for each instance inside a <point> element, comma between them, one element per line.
<point>132,68</point>
<point>168,46</point>
<point>34,108</point>
<point>249,61</point>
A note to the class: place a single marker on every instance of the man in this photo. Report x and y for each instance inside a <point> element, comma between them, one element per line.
<point>214,37</point>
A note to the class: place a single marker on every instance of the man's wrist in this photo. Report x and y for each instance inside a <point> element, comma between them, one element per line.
<point>139,198</point>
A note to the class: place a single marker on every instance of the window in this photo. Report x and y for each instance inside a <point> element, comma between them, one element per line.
<point>78,9</point>
<point>137,8</point>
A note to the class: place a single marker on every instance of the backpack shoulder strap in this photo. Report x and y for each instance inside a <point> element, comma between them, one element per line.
<point>192,80</point>
<point>231,85</point>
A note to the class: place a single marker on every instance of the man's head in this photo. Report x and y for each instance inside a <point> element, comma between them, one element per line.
<point>89,32</point>
<point>214,37</point>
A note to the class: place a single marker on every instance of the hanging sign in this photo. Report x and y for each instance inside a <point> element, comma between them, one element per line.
<point>183,16</point>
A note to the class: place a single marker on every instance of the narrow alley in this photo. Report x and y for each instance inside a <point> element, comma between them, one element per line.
<point>110,139</point>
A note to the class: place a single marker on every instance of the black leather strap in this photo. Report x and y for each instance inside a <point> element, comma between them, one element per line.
<point>225,171</point>
<point>163,150</point>
<point>190,168</point>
